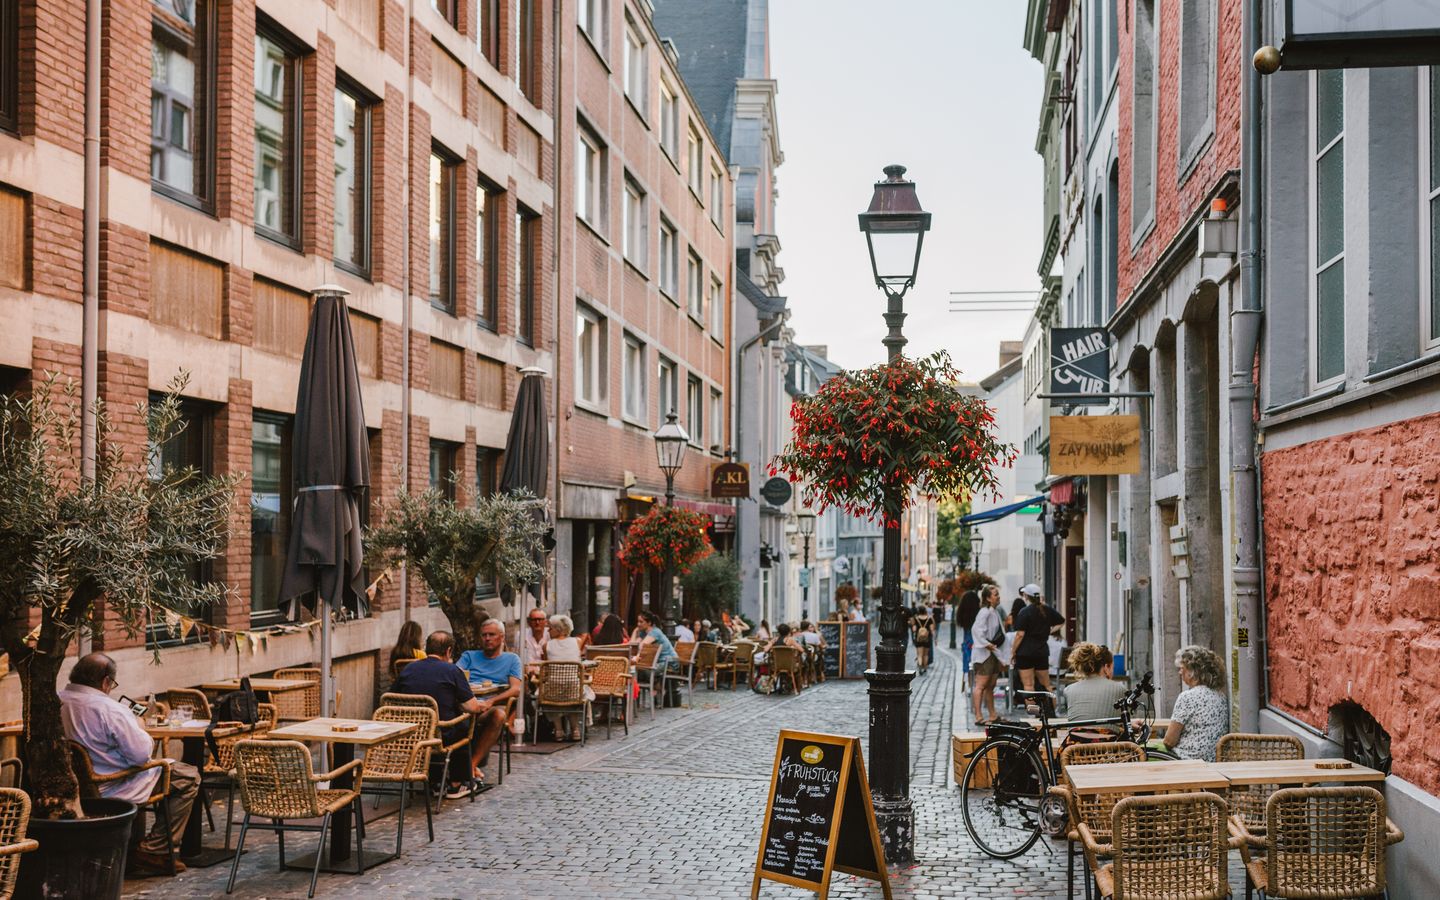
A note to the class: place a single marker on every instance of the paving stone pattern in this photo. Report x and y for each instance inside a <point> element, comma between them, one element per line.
<point>671,811</point>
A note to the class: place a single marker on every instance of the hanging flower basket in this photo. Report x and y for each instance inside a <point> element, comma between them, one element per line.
<point>871,437</point>
<point>666,537</point>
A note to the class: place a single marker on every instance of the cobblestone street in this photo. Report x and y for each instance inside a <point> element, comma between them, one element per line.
<point>673,810</point>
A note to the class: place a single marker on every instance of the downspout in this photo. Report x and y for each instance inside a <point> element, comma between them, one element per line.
<point>90,308</point>
<point>740,376</point>
<point>555,221</point>
<point>405,323</point>
<point>1247,648</point>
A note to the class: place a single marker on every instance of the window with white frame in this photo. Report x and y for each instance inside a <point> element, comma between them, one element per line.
<point>589,177</point>
<point>717,307</point>
<point>695,159</point>
<point>717,195</point>
<point>589,357</point>
<point>1430,209</point>
<point>636,224</point>
<point>669,267</point>
<point>1327,237</point>
<point>590,16</point>
<point>635,404</point>
<point>669,119</point>
<point>669,386</point>
<point>694,413</point>
<point>636,68</point>
<point>695,287</point>
<point>717,416</point>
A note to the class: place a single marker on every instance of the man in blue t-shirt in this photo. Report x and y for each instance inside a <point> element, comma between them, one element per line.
<point>494,664</point>
<point>437,677</point>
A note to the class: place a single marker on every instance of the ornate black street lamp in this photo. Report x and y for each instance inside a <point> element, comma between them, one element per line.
<point>670,443</point>
<point>894,228</point>
<point>806,524</point>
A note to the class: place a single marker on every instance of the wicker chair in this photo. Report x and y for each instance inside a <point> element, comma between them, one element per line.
<point>393,766</point>
<point>461,744</point>
<point>1247,802</point>
<point>707,663</point>
<point>561,690</point>
<point>278,783</point>
<point>1323,842</point>
<point>14,818</point>
<point>299,705</point>
<point>610,679</point>
<point>685,675</point>
<point>218,771</point>
<point>1092,809</point>
<point>12,772</point>
<point>743,661</point>
<point>645,672</point>
<point>90,787</point>
<point>1164,847</point>
<point>187,698</point>
<point>785,661</point>
<point>597,651</point>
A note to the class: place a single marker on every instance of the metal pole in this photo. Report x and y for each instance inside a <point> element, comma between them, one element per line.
<point>805,590</point>
<point>889,681</point>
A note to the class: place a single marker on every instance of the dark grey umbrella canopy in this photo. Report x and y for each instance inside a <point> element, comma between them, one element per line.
<point>527,449</point>
<point>331,462</point>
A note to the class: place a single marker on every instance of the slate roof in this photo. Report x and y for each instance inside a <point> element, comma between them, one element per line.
<point>709,36</point>
<point>766,305</point>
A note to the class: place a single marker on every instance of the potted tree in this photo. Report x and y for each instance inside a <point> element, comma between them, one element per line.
<point>130,534</point>
<point>452,546</point>
<point>712,586</point>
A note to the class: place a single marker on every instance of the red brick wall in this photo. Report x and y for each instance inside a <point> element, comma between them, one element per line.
<point>1175,200</point>
<point>1352,583</point>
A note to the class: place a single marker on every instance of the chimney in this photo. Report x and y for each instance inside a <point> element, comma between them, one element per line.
<point>1010,350</point>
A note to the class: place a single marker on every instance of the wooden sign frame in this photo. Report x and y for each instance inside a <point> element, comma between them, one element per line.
<point>845,670</point>
<point>1095,445</point>
<point>852,780</point>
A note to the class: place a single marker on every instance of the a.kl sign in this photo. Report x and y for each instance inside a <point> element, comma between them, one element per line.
<point>1094,445</point>
<point>730,479</point>
<point>1080,362</point>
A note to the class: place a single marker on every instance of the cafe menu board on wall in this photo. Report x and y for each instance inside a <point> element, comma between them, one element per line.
<point>830,656</point>
<point>857,649</point>
<point>818,815</point>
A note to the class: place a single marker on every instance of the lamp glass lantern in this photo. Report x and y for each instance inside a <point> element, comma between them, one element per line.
<point>670,442</point>
<point>977,543</point>
<point>894,228</point>
<point>805,521</point>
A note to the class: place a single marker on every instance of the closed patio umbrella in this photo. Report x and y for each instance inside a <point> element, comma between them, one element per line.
<point>527,448</point>
<point>331,466</point>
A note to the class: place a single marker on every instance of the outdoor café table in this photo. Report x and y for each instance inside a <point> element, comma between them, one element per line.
<point>1295,771</point>
<point>366,734</point>
<point>485,690</point>
<point>258,685</point>
<point>191,735</point>
<point>1146,777</point>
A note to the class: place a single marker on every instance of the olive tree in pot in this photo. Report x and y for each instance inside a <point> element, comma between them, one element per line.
<point>712,587</point>
<point>130,535</point>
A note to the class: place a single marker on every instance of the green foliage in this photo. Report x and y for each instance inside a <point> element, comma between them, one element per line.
<point>952,540</point>
<point>712,586</point>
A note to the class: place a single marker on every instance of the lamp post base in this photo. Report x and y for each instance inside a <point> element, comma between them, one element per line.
<point>890,763</point>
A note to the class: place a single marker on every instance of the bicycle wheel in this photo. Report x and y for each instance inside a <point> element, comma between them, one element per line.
<point>1000,797</point>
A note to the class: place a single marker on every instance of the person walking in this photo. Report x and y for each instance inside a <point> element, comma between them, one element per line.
<point>987,634</point>
<point>1032,634</point>
<point>922,631</point>
<point>965,615</point>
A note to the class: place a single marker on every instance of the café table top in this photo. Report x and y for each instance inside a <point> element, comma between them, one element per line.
<point>1295,771</point>
<point>268,685</point>
<point>1141,777</point>
<point>366,733</point>
<point>484,690</point>
<point>193,728</point>
<point>12,728</point>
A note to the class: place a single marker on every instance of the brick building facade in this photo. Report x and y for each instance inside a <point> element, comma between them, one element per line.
<point>251,152</point>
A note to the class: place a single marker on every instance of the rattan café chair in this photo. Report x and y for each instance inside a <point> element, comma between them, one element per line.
<point>1164,847</point>
<point>90,787</point>
<point>1092,809</point>
<point>14,818</point>
<point>393,766</point>
<point>610,680</point>
<point>278,783</point>
<point>1247,802</point>
<point>218,771</point>
<point>561,690</point>
<point>460,745</point>
<point>1323,842</point>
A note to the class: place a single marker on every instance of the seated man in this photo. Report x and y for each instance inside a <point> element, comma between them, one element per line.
<point>116,740</point>
<point>436,676</point>
<point>493,663</point>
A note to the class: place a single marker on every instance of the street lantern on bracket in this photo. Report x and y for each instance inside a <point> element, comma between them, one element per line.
<point>977,543</point>
<point>670,443</point>
<point>894,228</point>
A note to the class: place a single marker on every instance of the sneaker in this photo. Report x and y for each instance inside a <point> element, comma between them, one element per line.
<point>459,792</point>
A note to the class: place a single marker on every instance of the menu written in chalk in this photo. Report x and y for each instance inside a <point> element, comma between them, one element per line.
<point>802,808</point>
<point>830,657</point>
<point>857,649</point>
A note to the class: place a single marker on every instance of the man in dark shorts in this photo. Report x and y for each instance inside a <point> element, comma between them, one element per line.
<point>1032,632</point>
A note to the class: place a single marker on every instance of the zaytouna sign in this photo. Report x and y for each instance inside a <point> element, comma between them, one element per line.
<point>1080,363</point>
<point>1094,445</point>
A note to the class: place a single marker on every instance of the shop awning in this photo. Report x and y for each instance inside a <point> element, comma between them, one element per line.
<point>1029,506</point>
<point>714,510</point>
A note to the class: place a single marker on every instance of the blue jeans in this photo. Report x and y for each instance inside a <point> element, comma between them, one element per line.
<point>965,648</point>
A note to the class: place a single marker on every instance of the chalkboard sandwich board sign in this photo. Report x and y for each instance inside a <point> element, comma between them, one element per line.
<point>830,656</point>
<point>857,649</point>
<point>818,816</point>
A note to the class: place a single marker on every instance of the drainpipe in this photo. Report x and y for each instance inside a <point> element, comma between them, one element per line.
<point>740,374</point>
<point>90,308</point>
<point>555,219</point>
<point>1247,654</point>
<point>405,323</point>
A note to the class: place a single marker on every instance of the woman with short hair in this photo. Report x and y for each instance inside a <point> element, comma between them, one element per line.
<point>563,646</point>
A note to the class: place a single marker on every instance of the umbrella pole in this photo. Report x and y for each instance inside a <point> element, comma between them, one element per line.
<point>327,688</point>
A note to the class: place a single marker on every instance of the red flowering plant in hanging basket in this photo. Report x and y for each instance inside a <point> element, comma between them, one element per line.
<point>666,537</point>
<point>870,437</point>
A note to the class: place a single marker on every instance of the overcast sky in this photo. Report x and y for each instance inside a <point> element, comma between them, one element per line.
<point>945,88</point>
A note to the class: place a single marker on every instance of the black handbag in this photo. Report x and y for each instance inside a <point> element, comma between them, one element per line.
<point>237,706</point>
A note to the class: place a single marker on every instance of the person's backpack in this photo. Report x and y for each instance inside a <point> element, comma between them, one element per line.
<point>236,706</point>
<point>922,630</point>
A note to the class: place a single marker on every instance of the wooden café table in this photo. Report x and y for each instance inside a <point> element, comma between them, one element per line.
<point>191,735</point>
<point>366,734</point>
<point>258,685</point>
<point>1296,771</point>
<point>1146,777</point>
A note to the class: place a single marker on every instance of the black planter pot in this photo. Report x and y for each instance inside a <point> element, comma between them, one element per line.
<point>79,857</point>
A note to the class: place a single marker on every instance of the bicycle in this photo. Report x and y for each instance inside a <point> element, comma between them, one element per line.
<point>1004,792</point>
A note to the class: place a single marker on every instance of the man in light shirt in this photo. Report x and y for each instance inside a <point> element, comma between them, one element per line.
<point>116,740</point>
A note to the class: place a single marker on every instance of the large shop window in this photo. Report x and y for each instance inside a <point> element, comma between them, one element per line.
<point>352,178</point>
<point>187,448</point>
<point>527,245</point>
<point>1327,175</point>
<point>271,494</point>
<point>1430,182</point>
<point>182,88</point>
<point>10,65</point>
<point>277,136</point>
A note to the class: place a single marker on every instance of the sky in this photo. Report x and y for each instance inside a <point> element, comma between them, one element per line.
<point>945,88</point>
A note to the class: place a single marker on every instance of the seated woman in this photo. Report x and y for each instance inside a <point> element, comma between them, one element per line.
<point>648,631</point>
<point>1202,711</point>
<point>1094,695</point>
<point>563,646</point>
<point>611,631</point>
<point>784,636</point>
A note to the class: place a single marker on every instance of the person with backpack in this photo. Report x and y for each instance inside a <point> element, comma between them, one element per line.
<point>922,631</point>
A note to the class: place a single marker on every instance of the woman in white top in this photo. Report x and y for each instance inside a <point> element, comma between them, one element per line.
<point>988,637</point>
<point>1202,711</point>
<point>563,646</point>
